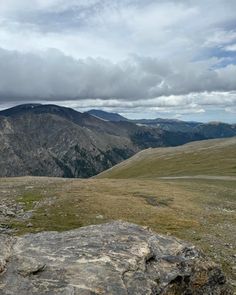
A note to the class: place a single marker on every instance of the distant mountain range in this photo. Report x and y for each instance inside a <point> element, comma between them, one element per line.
<point>211,130</point>
<point>49,140</point>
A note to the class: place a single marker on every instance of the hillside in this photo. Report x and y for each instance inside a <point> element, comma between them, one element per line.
<point>210,157</point>
<point>196,210</point>
<point>47,144</point>
<point>50,140</point>
<point>200,210</point>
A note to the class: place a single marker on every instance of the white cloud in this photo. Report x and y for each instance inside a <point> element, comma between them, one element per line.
<point>219,38</point>
<point>52,75</point>
<point>231,110</point>
<point>115,29</point>
<point>161,55</point>
<point>231,47</point>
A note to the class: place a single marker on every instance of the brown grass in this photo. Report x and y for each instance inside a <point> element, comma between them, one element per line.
<point>200,211</point>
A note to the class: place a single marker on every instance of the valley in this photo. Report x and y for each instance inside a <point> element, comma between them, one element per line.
<point>55,141</point>
<point>186,191</point>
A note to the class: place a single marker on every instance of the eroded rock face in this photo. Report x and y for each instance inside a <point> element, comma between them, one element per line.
<point>115,258</point>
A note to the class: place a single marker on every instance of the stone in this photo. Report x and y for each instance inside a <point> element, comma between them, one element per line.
<point>3,210</point>
<point>5,228</point>
<point>99,217</point>
<point>114,258</point>
<point>10,213</point>
<point>6,243</point>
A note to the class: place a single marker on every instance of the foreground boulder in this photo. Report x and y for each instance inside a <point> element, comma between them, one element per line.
<point>113,258</point>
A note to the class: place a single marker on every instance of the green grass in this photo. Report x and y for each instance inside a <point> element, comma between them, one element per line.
<point>29,199</point>
<point>212,157</point>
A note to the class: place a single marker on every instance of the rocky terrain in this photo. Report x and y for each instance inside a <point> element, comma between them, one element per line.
<point>55,141</point>
<point>201,211</point>
<point>113,258</point>
<point>48,140</point>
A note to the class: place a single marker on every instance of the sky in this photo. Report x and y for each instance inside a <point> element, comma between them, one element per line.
<point>140,58</point>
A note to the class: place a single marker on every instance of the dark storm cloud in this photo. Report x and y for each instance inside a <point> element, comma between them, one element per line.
<point>52,75</point>
<point>142,54</point>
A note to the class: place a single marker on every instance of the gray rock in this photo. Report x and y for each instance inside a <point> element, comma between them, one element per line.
<point>5,229</point>
<point>10,213</point>
<point>114,258</point>
<point>3,210</point>
<point>10,209</point>
<point>6,243</point>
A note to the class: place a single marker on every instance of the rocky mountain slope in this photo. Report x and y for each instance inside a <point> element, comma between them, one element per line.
<point>114,258</point>
<point>56,141</point>
<point>48,140</point>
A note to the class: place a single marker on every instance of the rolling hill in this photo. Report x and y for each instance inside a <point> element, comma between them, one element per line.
<point>210,157</point>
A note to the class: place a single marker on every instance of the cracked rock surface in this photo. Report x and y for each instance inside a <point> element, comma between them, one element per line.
<point>113,258</point>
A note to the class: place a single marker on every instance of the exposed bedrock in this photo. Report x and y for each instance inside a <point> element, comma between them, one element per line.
<point>114,258</point>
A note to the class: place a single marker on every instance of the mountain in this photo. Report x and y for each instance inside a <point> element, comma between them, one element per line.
<point>205,130</point>
<point>49,140</point>
<point>107,116</point>
<point>215,130</point>
<point>55,141</point>
<point>204,158</point>
<point>168,124</point>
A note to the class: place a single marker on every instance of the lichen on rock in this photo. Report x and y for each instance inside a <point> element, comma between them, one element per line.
<point>114,258</point>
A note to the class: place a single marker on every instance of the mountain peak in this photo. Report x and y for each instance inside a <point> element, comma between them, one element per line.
<point>37,108</point>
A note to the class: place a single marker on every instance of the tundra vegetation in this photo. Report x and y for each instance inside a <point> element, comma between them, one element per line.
<point>200,210</point>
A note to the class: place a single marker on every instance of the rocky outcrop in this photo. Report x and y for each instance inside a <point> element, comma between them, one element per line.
<point>115,258</point>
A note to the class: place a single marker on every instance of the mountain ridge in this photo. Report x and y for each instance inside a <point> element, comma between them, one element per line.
<point>108,116</point>
<point>49,140</point>
<point>167,124</point>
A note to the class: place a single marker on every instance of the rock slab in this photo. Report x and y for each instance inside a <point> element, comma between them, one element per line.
<point>114,258</point>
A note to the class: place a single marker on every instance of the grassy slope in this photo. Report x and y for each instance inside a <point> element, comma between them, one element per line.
<point>210,157</point>
<point>198,210</point>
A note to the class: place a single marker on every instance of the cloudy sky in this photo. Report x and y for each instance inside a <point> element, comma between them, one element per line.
<point>142,58</point>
